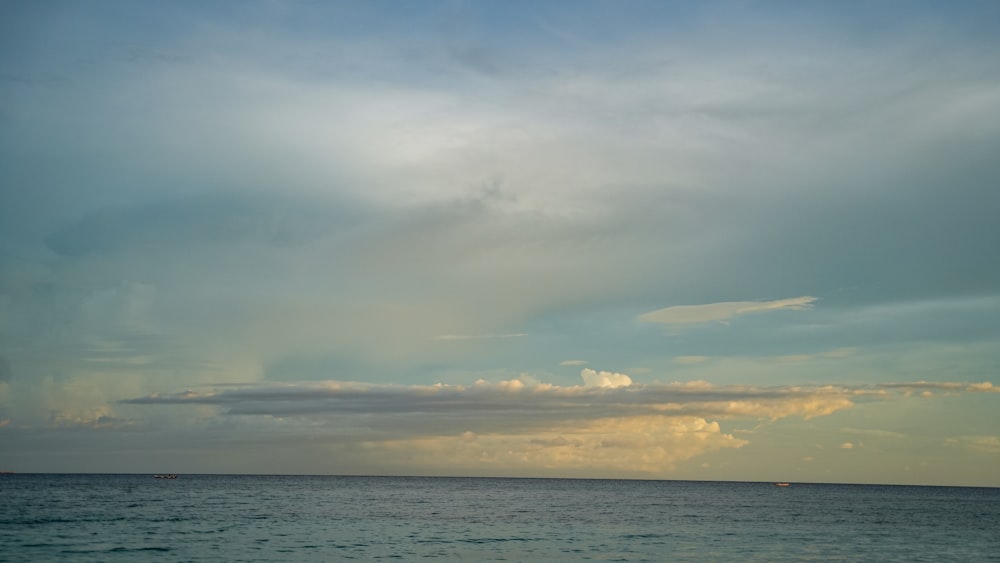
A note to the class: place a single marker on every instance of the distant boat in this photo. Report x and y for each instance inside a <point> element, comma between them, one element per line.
<point>165,476</point>
<point>781,484</point>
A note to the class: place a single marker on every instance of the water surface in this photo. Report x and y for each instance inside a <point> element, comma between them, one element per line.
<point>324,518</point>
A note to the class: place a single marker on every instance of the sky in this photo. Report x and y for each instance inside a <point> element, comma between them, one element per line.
<point>751,241</point>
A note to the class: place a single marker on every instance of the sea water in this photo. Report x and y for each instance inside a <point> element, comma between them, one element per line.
<point>324,518</point>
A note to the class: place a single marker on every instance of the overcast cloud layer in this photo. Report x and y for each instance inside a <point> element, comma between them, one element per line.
<point>718,241</point>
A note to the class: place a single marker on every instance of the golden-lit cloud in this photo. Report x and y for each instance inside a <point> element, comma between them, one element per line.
<point>640,445</point>
<point>609,425</point>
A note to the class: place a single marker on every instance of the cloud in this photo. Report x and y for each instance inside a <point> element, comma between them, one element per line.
<point>690,359</point>
<point>847,446</point>
<point>6,373</point>
<point>573,362</point>
<point>478,336</point>
<point>605,379</point>
<point>882,434</point>
<point>692,314</point>
<point>606,426</point>
<point>604,394</point>
<point>99,420</point>
<point>982,387</point>
<point>271,199</point>
<point>983,444</point>
<point>643,446</point>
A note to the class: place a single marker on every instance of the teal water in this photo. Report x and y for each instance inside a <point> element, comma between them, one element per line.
<point>296,518</point>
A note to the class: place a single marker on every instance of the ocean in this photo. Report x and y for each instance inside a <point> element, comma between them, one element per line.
<point>331,518</point>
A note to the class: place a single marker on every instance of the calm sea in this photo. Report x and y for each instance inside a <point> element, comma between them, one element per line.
<point>295,518</point>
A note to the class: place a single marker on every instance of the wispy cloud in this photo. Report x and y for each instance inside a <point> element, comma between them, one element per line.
<point>690,359</point>
<point>724,311</point>
<point>983,444</point>
<point>479,336</point>
<point>930,386</point>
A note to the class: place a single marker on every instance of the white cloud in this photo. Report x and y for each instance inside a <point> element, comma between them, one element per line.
<point>605,379</point>
<point>692,314</point>
<point>573,362</point>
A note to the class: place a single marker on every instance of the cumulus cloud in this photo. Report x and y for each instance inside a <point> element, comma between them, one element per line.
<point>724,311</point>
<point>605,379</point>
